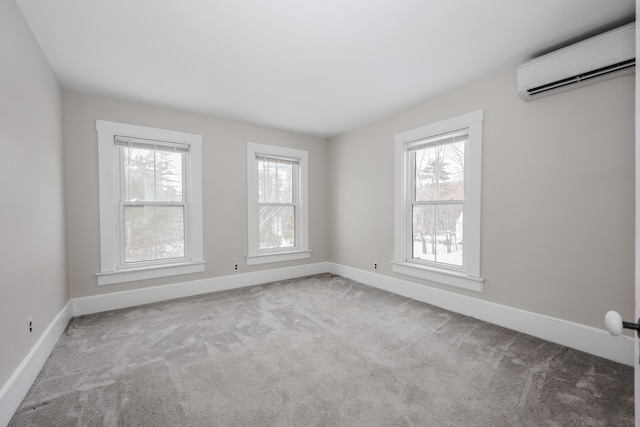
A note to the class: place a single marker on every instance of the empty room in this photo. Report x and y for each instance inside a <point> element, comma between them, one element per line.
<point>318,213</point>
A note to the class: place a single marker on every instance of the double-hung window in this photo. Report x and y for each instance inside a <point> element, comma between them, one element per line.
<point>437,234</point>
<point>277,202</point>
<point>150,202</point>
<point>151,178</point>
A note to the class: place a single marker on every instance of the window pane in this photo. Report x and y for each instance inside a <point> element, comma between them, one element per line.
<point>267,178</point>
<point>425,174</point>
<point>451,171</point>
<point>424,232</point>
<point>277,225</point>
<point>153,233</point>
<point>152,175</point>
<point>168,176</point>
<point>137,167</point>
<point>449,234</point>
<point>169,232</point>
<point>437,233</point>
<point>285,183</point>
<point>275,182</point>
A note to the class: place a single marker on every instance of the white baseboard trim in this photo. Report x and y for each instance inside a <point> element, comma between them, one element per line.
<point>16,387</point>
<point>580,337</point>
<point>124,299</point>
<point>577,336</point>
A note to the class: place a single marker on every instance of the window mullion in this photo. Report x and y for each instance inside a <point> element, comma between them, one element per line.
<point>295,199</point>
<point>411,191</point>
<point>154,208</point>
<point>186,212</point>
<point>121,232</point>
<point>276,204</point>
<point>153,203</point>
<point>120,184</point>
<point>435,230</point>
<point>437,202</point>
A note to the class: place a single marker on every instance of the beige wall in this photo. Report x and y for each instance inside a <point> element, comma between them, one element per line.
<point>224,187</point>
<point>33,275</point>
<point>557,195</point>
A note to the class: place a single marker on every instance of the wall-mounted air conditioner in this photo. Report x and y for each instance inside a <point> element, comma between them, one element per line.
<point>599,58</point>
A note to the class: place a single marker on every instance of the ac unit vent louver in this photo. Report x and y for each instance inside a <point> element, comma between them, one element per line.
<point>599,58</point>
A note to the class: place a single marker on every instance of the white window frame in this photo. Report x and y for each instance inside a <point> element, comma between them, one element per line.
<point>112,269</point>
<point>301,249</point>
<point>467,276</point>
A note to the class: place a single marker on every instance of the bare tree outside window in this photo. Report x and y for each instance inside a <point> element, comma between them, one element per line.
<point>276,204</point>
<point>438,202</point>
<point>153,203</point>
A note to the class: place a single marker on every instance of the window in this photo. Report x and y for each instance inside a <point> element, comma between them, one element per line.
<point>437,218</point>
<point>277,203</point>
<point>150,202</point>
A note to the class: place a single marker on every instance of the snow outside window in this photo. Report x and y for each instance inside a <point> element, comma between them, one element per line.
<point>277,199</point>
<point>150,202</point>
<point>437,230</point>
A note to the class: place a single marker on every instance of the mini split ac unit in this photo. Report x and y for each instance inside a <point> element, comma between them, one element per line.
<point>599,58</point>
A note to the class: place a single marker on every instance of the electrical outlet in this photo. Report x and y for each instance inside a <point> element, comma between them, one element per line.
<point>30,325</point>
<point>235,266</point>
<point>375,265</point>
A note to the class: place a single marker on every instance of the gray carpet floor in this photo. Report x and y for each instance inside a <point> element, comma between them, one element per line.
<point>317,351</point>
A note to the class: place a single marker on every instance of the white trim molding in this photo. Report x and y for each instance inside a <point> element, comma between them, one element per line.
<point>446,277</point>
<point>124,299</point>
<point>151,272</point>
<point>255,255</point>
<point>277,257</point>
<point>16,387</point>
<point>466,276</point>
<point>580,337</point>
<point>577,336</point>
<point>112,268</point>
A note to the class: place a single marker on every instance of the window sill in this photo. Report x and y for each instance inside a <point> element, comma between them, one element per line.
<point>445,277</point>
<point>150,272</point>
<point>277,257</point>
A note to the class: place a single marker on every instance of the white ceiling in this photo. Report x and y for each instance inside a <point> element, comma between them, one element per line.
<point>318,67</point>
